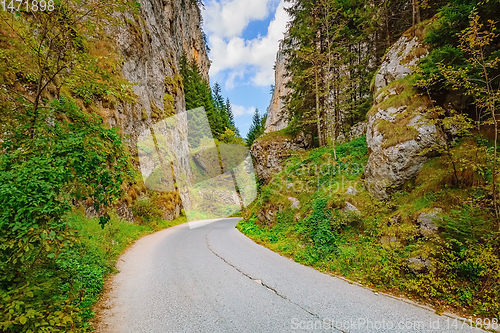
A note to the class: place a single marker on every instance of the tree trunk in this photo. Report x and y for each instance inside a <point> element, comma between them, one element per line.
<point>318,111</point>
<point>417,9</point>
<point>414,15</point>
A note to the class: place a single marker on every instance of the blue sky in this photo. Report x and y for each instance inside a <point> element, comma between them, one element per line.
<point>243,37</point>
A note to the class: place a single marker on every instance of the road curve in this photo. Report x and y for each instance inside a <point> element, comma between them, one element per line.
<point>214,279</point>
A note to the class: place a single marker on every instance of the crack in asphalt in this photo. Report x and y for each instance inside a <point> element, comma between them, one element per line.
<point>262,282</point>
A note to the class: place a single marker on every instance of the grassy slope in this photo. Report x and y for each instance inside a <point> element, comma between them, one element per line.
<point>369,248</point>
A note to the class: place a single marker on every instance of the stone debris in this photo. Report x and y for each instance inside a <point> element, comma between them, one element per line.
<point>426,222</point>
<point>295,203</point>
<point>418,265</point>
<point>350,208</point>
<point>351,191</point>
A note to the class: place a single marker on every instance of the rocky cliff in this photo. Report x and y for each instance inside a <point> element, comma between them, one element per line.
<point>151,43</point>
<point>398,137</point>
<point>277,116</point>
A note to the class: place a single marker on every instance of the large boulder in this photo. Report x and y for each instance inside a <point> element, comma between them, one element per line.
<point>270,151</point>
<point>399,138</point>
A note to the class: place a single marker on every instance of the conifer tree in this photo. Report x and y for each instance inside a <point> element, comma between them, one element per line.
<point>198,93</point>
<point>256,128</point>
<point>230,115</point>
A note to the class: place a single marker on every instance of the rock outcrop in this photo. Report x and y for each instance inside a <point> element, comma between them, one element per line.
<point>277,116</point>
<point>271,150</point>
<point>400,59</point>
<point>398,137</point>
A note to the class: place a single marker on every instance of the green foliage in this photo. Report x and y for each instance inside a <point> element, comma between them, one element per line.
<point>55,154</point>
<point>466,64</point>
<point>230,137</point>
<point>322,227</point>
<point>444,39</point>
<point>70,155</point>
<point>147,211</point>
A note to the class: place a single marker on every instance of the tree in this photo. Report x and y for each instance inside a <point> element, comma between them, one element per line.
<point>221,107</point>
<point>256,128</point>
<point>230,115</point>
<point>197,93</point>
<point>333,49</point>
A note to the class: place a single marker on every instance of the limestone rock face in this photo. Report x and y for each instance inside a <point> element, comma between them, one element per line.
<point>399,139</point>
<point>151,44</point>
<point>277,116</point>
<point>269,152</point>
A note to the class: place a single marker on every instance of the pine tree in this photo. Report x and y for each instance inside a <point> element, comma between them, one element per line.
<point>223,122</point>
<point>217,96</point>
<point>230,115</point>
<point>256,128</point>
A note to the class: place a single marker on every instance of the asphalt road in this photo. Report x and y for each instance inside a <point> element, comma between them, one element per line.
<point>214,279</point>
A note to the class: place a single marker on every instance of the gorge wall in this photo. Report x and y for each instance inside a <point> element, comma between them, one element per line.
<point>151,43</point>
<point>399,138</point>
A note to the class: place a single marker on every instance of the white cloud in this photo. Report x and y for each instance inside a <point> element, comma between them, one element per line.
<point>233,53</point>
<point>228,18</point>
<point>233,75</point>
<point>239,110</point>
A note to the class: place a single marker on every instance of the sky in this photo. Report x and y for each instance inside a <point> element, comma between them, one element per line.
<point>243,37</point>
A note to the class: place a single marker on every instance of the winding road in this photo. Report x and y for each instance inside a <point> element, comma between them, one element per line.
<point>214,279</point>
